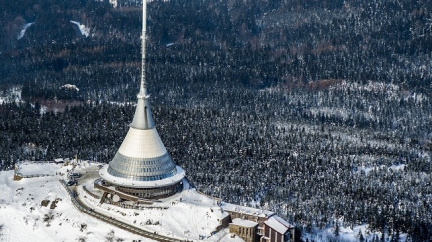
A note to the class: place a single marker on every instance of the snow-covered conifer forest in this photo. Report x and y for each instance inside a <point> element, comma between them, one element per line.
<point>318,110</point>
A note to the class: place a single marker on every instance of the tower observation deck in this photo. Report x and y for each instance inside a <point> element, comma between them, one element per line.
<point>142,167</point>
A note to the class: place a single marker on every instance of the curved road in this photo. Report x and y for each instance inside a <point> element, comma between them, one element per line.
<point>83,208</point>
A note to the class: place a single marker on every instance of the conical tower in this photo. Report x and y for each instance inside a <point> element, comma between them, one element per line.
<point>142,166</point>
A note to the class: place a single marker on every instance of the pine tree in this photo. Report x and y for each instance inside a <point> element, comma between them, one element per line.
<point>397,236</point>
<point>382,237</point>
<point>337,230</point>
<point>360,235</point>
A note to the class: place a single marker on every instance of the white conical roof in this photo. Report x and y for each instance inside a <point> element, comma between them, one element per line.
<point>142,143</point>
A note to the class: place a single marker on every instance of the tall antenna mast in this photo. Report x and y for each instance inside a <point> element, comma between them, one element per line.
<point>143,87</point>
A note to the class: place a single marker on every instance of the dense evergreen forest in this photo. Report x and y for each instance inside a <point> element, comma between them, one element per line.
<point>318,110</point>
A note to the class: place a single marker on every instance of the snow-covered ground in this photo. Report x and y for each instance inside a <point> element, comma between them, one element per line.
<point>22,218</point>
<point>84,30</point>
<point>12,95</point>
<point>187,215</point>
<point>113,3</point>
<point>393,168</point>
<point>23,30</point>
<point>70,87</point>
<point>346,234</point>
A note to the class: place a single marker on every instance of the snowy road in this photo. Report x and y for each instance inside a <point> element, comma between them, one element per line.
<point>79,205</point>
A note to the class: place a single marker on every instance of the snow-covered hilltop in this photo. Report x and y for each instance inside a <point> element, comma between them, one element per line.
<point>38,208</point>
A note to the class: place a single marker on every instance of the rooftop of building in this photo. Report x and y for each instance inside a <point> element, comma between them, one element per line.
<point>37,169</point>
<point>279,224</point>
<point>246,210</point>
<point>244,223</point>
<point>142,143</point>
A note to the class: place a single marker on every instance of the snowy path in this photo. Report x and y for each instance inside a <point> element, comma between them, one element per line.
<point>83,208</point>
